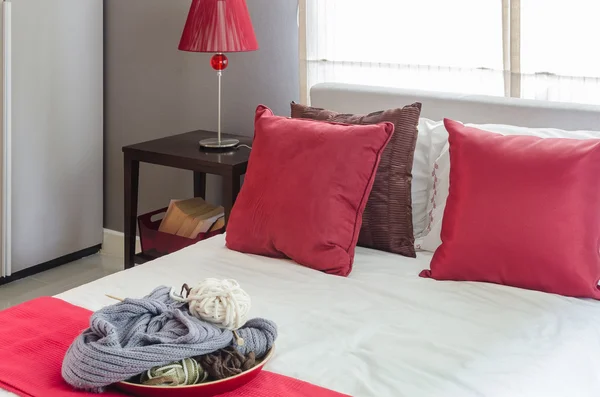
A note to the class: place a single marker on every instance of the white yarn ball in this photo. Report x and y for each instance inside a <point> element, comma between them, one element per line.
<point>220,302</point>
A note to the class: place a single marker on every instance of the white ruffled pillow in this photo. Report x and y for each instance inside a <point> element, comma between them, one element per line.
<point>430,142</point>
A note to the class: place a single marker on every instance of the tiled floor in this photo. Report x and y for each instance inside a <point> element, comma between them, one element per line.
<point>59,279</point>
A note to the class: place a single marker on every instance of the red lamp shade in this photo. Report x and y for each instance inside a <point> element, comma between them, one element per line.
<point>218,26</point>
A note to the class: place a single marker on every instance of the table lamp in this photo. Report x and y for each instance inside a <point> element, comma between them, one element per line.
<point>218,26</point>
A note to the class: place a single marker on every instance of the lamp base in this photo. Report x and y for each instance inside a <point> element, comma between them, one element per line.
<point>213,143</point>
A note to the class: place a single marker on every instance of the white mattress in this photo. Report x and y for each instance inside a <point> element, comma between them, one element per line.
<point>384,331</point>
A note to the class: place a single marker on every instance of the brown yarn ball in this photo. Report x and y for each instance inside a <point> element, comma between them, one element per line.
<point>225,363</point>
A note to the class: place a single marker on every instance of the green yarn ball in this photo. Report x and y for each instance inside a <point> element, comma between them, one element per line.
<point>180,373</point>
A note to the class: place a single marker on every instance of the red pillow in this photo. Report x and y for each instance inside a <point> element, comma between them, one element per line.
<point>521,211</point>
<point>306,189</point>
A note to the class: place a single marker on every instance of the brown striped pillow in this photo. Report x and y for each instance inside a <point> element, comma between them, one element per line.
<point>387,220</point>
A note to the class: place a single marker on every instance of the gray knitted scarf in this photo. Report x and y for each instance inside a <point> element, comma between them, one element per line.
<point>135,335</point>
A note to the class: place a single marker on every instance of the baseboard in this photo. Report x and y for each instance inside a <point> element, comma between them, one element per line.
<point>113,244</point>
<point>30,271</point>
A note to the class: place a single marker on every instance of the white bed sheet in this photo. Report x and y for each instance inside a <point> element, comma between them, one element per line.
<point>384,331</point>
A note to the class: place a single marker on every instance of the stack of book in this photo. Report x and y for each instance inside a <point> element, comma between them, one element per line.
<point>189,218</point>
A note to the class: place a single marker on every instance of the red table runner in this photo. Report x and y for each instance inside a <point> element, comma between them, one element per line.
<point>35,335</point>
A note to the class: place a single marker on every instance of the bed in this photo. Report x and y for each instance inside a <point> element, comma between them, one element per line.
<point>384,331</point>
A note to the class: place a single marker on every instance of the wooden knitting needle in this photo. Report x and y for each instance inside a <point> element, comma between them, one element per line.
<point>114,297</point>
<point>239,340</point>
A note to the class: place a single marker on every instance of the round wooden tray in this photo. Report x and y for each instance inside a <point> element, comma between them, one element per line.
<point>206,389</point>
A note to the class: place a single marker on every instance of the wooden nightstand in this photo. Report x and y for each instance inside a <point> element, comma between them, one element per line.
<point>181,151</point>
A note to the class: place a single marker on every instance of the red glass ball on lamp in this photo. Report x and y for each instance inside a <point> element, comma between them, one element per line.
<point>219,62</point>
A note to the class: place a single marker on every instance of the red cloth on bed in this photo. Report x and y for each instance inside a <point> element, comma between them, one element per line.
<point>35,335</point>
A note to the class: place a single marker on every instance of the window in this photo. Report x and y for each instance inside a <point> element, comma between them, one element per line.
<point>540,49</point>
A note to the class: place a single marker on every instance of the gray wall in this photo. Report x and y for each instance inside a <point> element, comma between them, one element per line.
<point>153,90</point>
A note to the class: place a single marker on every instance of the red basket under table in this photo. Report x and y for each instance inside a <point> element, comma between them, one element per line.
<point>156,243</point>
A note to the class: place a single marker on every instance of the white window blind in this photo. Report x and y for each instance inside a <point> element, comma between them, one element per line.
<point>541,49</point>
<point>559,56</point>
